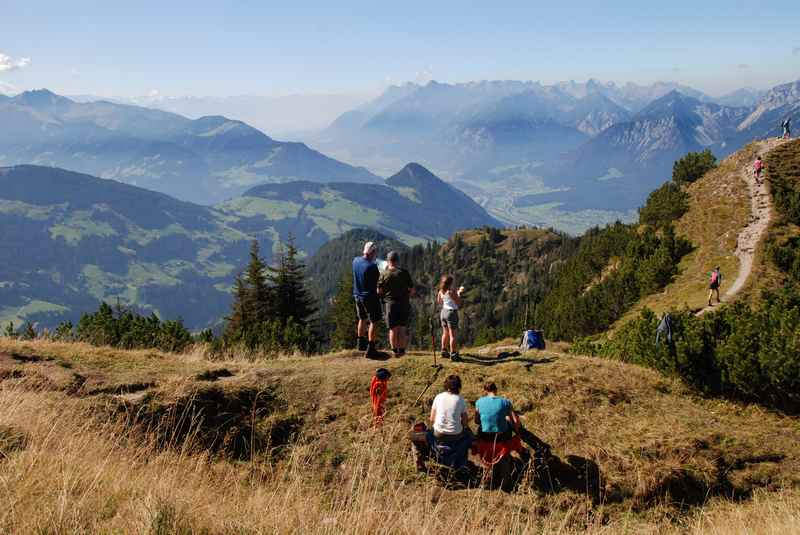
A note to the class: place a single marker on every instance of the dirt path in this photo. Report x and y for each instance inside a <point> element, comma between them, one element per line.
<point>753,232</point>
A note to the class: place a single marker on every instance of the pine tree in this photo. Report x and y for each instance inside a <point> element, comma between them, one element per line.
<point>236,322</point>
<point>292,298</point>
<point>343,315</point>
<point>259,303</point>
<point>10,331</point>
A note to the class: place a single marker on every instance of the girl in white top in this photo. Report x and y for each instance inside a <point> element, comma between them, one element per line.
<point>449,411</point>
<point>450,301</point>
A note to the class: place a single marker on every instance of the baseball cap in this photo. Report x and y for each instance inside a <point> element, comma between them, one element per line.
<point>369,248</point>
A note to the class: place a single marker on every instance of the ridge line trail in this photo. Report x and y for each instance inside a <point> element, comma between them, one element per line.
<point>753,232</point>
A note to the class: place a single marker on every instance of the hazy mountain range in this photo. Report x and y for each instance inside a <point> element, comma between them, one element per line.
<point>204,160</point>
<point>288,116</point>
<point>568,154</point>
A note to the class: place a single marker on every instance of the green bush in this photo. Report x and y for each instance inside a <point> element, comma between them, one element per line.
<point>693,166</point>
<point>739,351</point>
<point>664,205</point>
<point>126,329</point>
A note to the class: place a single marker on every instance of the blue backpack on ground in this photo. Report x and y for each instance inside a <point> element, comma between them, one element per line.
<point>532,340</point>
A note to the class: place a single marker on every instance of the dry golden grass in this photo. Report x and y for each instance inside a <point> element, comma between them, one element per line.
<point>80,469</point>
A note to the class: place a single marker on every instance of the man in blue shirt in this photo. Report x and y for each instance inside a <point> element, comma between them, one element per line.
<point>368,305</point>
<point>494,415</point>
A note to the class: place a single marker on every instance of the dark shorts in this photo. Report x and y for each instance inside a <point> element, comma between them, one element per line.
<point>369,308</point>
<point>505,436</point>
<point>449,318</point>
<point>398,314</point>
<point>713,286</point>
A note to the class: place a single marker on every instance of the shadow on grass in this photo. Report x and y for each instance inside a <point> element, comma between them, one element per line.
<point>494,361</point>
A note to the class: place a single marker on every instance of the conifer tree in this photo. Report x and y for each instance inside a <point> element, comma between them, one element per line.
<point>343,315</point>
<point>259,303</point>
<point>292,297</point>
<point>238,319</point>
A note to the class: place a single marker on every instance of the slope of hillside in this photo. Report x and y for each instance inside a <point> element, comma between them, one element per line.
<point>71,240</point>
<point>727,222</point>
<point>96,440</point>
<point>204,160</point>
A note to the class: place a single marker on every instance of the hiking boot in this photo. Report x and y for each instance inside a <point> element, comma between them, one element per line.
<point>455,357</point>
<point>395,352</point>
<point>362,344</point>
<point>445,354</point>
<point>372,351</point>
<point>401,352</point>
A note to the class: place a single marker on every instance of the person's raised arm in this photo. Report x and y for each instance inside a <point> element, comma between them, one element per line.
<point>456,297</point>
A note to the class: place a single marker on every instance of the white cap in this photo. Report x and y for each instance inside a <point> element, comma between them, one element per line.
<point>369,248</point>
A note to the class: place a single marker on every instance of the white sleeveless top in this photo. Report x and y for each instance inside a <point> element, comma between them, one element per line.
<point>447,301</point>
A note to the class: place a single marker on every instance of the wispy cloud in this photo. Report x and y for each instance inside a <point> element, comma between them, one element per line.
<point>7,63</point>
<point>796,51</point>
<point>743,66</point>
<point>7,89</point>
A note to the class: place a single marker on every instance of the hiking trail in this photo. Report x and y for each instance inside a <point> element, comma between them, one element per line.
<point>753,232</point>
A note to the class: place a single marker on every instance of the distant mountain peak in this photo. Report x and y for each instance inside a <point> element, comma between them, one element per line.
<point>413,175</point>
<point>41,98</point>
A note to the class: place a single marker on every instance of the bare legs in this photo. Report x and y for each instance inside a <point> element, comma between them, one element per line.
<point>398,337</point>
<point>367,329</point>
<point>711,294</point>
<point>449,339</point>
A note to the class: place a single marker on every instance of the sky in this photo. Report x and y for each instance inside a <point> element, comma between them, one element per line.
<point>226,47</point>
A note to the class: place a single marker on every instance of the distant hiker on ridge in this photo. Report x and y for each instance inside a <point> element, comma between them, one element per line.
<point>368,305</point>
<point>713,285</point>
<point>396,288</point>
<point>449,300</point>
<point>757,167</point>
<point>787,128</point>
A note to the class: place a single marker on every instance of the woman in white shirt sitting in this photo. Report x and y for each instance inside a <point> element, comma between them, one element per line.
<point>449,411</point>
<point>450,301</point>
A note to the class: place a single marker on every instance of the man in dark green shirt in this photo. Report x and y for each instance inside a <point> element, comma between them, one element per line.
<point>396,288</point>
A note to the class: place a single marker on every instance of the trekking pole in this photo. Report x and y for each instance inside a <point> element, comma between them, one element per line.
<point>435,373</point>
<point>433,341</point>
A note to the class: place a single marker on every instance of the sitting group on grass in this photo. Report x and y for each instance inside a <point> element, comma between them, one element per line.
<point>450,438</point>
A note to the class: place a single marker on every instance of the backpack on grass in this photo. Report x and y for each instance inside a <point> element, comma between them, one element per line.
<point>532,339</point>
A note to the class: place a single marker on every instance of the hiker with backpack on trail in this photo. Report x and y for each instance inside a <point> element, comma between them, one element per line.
<point>787,128</point>
<point>450,300</point>
<point>758,166</point>
<point>713,285</point>
<point>368,304</point>
<point>396,288</point>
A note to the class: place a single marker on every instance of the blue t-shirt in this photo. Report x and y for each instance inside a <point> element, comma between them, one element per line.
<point>365,278</point>
<point>493,411</point>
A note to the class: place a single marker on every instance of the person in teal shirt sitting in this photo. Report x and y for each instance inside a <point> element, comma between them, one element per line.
<point>494,415</point>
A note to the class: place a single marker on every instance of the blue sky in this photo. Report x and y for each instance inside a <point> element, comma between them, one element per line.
<point>257,47</point>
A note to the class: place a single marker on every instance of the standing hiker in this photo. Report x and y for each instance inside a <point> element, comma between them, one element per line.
<point>713,285</point>
<point>757,167</point>
<point>368,305</point>
<point>396,288</point>
<point>450,301</point>
<point>787,128</point>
